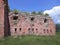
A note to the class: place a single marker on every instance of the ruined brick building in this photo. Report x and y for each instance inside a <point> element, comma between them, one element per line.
<point>30,24</point>
<point>23,24</point>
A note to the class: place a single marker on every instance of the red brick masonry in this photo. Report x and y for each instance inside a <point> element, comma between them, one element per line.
<point>23,24</point>
<point>29,24</point>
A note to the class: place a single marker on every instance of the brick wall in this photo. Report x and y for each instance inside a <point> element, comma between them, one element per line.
<point>4,21</point>
<point>30,25</point>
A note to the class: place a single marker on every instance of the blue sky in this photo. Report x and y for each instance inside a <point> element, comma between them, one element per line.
<point>52,7</point>
<point>33,5</point>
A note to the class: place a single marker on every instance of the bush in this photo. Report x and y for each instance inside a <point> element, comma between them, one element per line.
<point>16,11</point>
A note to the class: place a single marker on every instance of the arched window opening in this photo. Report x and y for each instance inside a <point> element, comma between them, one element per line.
<point>44,30</point>
<point>47,31</point>
<point>45,20</point>
<point>32,18</point>
<point>33,30</point>
<point>50,30</point>
<point>36,30</point>
<point>15,17</point>
<point>20,29</point>
<point>29,31</point>
<point>15,30</point>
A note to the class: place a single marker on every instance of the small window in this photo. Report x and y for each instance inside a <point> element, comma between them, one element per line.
<point>50,30</point>
<point>44,30</point>
<point>32,19</point>
<point>15,17</point>
<point>15,29</point>
<point>29,30</point>
<point>36,30</point>
<point>20,29</point>
<point>33,30</point>
<point>45,20</point>
<point>47,31</point>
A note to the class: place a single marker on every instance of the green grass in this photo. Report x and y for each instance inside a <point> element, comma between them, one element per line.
<point>32,40</point>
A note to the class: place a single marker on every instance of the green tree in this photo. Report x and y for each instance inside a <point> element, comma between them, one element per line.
<point>46,14</point>
<point>26,12</point>
<point>58,27</point>
<point>33,12</point>
<point>40,13</point>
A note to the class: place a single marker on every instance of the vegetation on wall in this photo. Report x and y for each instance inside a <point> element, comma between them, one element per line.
<point>33,12</point>
<point>37,13</point>
<point>46,14</point>
<point>26,12</point>
<point>15,11</point>
<point>40,13</point>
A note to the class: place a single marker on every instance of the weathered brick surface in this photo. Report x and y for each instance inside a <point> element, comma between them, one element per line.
<point>4,23</point>
<point>1,18</point>
<point>28,27</point>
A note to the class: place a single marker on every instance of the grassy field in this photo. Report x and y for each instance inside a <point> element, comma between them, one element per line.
<point>32,40</point>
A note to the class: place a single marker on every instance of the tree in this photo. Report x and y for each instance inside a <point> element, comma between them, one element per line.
<point>58,27</point>
<point>33,12</point>
<point>40,13</point>
<point>46,14</point>
<point>26,12</point>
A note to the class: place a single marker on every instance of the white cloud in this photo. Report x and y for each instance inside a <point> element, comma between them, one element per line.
<point>54,13</point>
<point>58,21</point>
